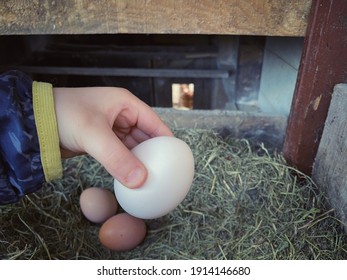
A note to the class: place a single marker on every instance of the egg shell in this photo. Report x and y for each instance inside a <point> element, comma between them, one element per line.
<point>122,232</point>
<point>98,204</point>
<point>170,165</point>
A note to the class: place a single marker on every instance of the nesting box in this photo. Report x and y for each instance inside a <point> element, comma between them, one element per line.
<point>216,62</point>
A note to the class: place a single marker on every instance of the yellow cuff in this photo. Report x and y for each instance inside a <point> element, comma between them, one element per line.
<point>46,125</point>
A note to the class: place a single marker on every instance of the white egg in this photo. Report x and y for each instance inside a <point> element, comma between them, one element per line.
<point>170,165</point>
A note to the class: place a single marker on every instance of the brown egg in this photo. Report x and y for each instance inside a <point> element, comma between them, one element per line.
<point>122,232</point>
<point>98,204</point>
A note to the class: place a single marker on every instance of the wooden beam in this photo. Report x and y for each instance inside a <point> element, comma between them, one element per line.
<point>323,64</point>
<point>253,17</point>
<point>127,72</point>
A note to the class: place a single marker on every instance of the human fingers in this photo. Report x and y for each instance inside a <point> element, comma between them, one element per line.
<point>102,144</point>
<point>150,123</point>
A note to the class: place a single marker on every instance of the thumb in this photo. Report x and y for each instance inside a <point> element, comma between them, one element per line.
<point>106,148</point>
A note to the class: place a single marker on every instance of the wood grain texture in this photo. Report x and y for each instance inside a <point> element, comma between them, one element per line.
<point>323,65</point>
<point>330,167</point>
<point>256,17</point>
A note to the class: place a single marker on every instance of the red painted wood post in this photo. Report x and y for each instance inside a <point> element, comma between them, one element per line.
<point>323,64</point>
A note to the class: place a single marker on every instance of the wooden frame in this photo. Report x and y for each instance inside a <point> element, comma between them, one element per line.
<point>324,60</point>
<point>254,17</point>
<point>323,64</point>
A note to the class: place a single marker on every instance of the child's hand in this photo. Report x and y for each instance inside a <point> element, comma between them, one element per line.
<point>106,122</point>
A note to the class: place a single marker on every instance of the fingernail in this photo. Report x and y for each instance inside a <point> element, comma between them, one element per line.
<point>135,178</point>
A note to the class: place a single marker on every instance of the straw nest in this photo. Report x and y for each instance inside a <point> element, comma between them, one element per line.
<point>245,203</point>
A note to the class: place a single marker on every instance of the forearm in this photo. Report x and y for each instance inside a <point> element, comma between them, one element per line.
<point>29,143</point>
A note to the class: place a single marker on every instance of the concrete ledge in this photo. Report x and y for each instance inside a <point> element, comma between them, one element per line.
<point>255,127</point>
<point>330,166</point>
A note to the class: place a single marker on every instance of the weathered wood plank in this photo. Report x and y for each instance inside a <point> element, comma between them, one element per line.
<point>256,17</point>
<point>127,72</point>
<point>330,167</point>
<point>323,65</point>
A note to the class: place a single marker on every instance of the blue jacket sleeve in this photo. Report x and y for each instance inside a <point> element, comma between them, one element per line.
<point>21,169</point>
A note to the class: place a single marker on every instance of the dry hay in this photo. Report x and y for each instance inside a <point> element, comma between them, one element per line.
<point>245,203</point>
